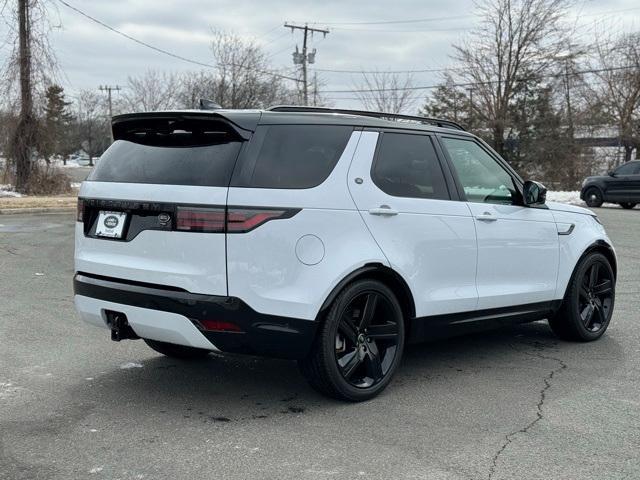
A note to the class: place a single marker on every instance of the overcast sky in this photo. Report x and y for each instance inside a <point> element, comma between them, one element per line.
<point>90,55</point>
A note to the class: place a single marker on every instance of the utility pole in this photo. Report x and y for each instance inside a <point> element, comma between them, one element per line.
<point>305,58</point>
<point>470,120</point>
<point>315,89</point>
<point>567,87</point>
<point>24,137</point>
<point>109,89</point>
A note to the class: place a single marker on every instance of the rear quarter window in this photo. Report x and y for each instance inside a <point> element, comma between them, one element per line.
<point>292,156</point>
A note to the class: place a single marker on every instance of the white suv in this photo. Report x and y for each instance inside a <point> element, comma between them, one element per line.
<point>328,236</point>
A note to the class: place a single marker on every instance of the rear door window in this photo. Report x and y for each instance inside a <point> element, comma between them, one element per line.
<point>292,156</point>
<point>407,166</point>
<point>199,153</point>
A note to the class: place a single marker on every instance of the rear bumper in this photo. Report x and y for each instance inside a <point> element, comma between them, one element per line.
<point>171,315</point>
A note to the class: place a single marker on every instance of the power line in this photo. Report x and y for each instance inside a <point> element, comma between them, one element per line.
<point>455,17</point>
<point>388,22</point>
<point>473,84</point>
<point>426,70</point>
<point>163,51</point>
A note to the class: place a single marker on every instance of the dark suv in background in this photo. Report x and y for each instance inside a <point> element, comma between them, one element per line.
<point>621,186</point>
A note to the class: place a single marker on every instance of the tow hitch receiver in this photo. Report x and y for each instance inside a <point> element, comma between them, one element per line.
<point>120,328</point>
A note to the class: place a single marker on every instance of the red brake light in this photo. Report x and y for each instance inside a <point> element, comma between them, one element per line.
<point>200,219</point>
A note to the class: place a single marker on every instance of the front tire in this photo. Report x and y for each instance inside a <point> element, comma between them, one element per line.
<point>588,305</point>
<point>593,197</point>
<point>627,205</point>
<point>359,343</point>
<point>176,351</point>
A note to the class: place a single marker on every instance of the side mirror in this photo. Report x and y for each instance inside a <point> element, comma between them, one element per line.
<point>534,193</point>
<point>611,173</point>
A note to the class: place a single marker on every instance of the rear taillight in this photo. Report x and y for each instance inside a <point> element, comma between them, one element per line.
<point>235,220</point>
<point>200,219</point>
<point>244,220</point>
<point>80,210</point>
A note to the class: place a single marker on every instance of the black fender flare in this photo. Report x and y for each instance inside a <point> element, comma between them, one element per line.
<point>379,272</point>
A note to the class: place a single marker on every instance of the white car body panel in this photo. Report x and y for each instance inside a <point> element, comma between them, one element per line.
<point>430,243</point>
<point>517,254</point>
<point>152,324</point>
<point>263,267</point>
<point>192,261</point>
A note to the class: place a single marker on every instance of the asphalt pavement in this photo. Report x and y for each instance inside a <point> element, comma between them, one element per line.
<point>509,404</point>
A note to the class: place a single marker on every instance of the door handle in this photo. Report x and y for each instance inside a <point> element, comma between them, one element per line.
<point>384,210</point>
<point>486,217</point>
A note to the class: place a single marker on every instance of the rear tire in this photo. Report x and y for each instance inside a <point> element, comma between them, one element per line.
<point>588,305</point>
<point>177,351</point>
<point>593,197</point>
<point>627,205</point>
<point>359,343</point>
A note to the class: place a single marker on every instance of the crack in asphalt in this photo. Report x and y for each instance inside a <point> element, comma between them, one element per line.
<point>510,437</point>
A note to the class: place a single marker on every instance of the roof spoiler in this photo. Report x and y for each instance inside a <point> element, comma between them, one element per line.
<point>124,125</point>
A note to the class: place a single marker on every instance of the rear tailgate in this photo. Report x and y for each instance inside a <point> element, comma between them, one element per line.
<point>153,209</point>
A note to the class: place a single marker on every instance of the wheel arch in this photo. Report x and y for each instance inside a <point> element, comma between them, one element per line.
<point>384,274</point>
<point>599,246</point>
<point>595,186</point>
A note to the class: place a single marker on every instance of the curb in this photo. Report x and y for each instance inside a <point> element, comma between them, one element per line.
<point>16,211</point>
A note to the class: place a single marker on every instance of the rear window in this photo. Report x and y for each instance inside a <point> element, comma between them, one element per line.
<point>171,153</point>
<point>292,156</point>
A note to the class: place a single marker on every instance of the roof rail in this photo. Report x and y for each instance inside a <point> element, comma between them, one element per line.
<point>382,115</point>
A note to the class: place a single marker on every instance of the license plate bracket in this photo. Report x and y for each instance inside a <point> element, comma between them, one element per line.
<point>110,224</point>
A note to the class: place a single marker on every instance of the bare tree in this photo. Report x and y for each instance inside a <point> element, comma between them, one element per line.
<point>386,92</point>
<point>93,126</point>
<point>194,86</point>
<point>27,68</point>
<point>154,90</point>
<point>516,38</point>
<point>617,61</point>
<point>244,77</point>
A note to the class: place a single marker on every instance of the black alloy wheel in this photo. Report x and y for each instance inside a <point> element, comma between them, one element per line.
<point>587,308</point>
<point>627,205</point>
<point>596,297</point>
<point>359,344</point>
<point>593,197</point>
<point>366,340</point>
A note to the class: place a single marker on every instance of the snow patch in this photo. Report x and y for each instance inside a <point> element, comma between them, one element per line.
<point>128,365</point>
<point>95,470</point>
<point>571,198</point>
<point>7,191</point>
<point>7,389</point>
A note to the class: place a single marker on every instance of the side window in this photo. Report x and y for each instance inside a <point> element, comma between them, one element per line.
<point>630,168</point>
<point>293,156</point>
<point>407,166</point>
<point>482,177</point>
